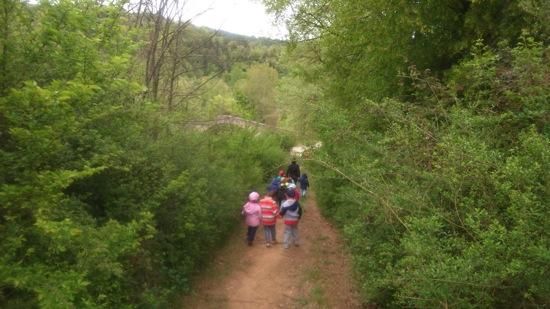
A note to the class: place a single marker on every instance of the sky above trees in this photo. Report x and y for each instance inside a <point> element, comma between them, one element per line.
<point>247,17</point>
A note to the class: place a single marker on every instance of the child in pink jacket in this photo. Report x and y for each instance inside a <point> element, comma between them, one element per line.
<point>253,213</point>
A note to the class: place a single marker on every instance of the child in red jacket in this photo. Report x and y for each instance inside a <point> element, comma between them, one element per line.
<point>269,218</point>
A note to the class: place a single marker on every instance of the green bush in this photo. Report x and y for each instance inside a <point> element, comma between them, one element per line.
<point>450,194</point>
<point>105,201</point>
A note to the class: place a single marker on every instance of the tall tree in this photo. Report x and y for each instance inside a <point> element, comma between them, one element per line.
<point>260,88</point>
<point>382,39</point>
<point>164,18</point>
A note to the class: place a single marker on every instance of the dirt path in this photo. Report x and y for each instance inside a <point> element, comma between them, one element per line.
<point>314,275</point>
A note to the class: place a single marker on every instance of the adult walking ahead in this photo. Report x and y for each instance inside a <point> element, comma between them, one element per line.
<point>293,171</point>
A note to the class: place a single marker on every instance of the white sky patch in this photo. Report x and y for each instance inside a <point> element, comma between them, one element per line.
<point>247,17</point>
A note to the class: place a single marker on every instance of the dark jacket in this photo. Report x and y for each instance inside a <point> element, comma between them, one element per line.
<point>293,171</point>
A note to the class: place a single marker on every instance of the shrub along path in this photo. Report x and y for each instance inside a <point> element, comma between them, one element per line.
<point>315,275</point>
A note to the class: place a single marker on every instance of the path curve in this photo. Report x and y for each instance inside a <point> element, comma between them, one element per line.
<point>315,275</point>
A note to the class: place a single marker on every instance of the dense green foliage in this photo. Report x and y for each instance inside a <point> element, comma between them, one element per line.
<point>106,200</point>
<point>433,114</point>
<point>434,117</point>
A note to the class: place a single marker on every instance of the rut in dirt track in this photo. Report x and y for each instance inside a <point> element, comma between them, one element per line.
<point>315,275</point>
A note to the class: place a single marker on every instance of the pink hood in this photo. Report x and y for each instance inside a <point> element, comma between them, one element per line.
<point>253,213</point>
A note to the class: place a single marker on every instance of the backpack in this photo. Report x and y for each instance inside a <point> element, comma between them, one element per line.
<point>297,204</point>
<point>275,183</point>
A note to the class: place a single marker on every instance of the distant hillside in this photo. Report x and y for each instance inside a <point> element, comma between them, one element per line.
<point>235,36</point>
<point>216,50</point>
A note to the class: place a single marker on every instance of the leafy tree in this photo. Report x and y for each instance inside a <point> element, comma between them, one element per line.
<point>381,39</point>
<point>259,88</point>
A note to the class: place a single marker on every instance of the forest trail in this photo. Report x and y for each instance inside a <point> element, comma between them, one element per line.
<point>315,275</point>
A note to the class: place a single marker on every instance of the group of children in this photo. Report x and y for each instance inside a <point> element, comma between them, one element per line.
<point>282,199</point>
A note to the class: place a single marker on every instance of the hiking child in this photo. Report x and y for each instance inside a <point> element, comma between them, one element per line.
<point>269,218</point>
<point>296,192</point>
<point>281,189</point>
<point>291,212</point>
<point>252,212</point>
<point>304,184</point>
<point>276,181</point>
<point>293,171</point>
<point>275,185</point>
